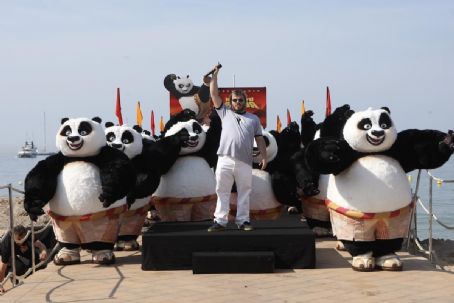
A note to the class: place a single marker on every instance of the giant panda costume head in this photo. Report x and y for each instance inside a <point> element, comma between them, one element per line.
<point>197,135</point>
<point>183,85</point>
<point>80,137</point>
<point>124,138</point>
<point>271,148</point>
<point>370,131</point>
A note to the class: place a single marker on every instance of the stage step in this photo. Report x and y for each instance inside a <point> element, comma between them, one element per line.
<point>232,262</point>
<point>171,245</point>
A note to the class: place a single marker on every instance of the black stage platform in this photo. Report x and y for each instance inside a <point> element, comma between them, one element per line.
<point>176,245</point>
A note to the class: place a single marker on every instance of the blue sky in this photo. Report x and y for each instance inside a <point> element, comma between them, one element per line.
<point>66,58</point>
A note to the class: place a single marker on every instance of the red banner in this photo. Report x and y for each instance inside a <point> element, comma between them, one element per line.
<point>256,101</point>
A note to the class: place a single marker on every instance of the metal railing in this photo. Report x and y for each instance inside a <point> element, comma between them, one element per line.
<point>413,239</point>
<point>17,280</point>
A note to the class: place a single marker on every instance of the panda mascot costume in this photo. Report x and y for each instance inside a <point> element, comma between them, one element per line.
<point>149,159</point>
<point>189,96</point>
<point>263,202</point>
<point>187,192</point>
<point>369,196</point>
<point>84,184</point>
<point>313,198</point>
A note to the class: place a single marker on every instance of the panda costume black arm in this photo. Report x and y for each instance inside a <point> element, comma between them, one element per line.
<point>213,137</point>
<point>329,154</point>
<point>117,175</point>
<point>41,183</point>
<point>422,149</point>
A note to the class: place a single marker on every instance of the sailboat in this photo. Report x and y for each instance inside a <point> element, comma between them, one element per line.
<point>29,150</point>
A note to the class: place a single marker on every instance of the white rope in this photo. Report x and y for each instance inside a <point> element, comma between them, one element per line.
<point>434,216</point>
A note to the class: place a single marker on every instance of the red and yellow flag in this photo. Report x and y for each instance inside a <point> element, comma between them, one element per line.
<point>139,116</point>
<point>152,123</point>
<point>118,108</point>
<point>303,109</point>
<point>278,124</point>
<point>161,124</point>
<point>328,103</point>
<point>289,118</point>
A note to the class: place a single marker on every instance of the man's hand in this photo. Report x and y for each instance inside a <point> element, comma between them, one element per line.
<point>206,80</point>
<point>43,255</point>
<point>263,163</point>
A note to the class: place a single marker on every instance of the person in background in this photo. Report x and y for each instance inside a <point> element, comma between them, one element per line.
<point>23,251</point>
<point>239,129</point>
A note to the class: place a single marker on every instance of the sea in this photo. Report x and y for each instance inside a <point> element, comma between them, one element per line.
<point>13,171</point>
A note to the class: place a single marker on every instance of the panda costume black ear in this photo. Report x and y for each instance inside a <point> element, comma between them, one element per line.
<point>187,76</point>
<point>386,109</point>
<point>63,120</point>
<point>137,128</point>
<point>97,119</point>
<point>109,124</point>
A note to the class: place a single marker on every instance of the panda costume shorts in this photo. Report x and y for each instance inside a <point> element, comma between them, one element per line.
<point>131,221</point>
<point>98,227</point>
<point>314,208</point>
<point>354,225</point>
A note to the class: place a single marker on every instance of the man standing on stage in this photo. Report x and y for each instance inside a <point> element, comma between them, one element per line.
<point>239,128</point>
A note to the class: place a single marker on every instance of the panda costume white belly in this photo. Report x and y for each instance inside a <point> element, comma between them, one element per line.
<point>372,184</point>
<point>190,176</point>
<point>78,190</point>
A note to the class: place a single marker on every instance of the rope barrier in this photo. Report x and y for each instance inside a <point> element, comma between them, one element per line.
<point>434,216</point>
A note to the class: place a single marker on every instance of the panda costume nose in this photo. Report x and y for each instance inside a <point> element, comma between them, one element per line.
<point>378,133</point>
<point>193,138</point>
<point>73,138</point>
<point>116,145</point>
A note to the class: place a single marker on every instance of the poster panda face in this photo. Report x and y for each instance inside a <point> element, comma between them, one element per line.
<point>197,136</point>
<point>271,148</point>
<point>370,131</point>
<point>183,85</point>
<point>80,137</point>
<point>125,139</point>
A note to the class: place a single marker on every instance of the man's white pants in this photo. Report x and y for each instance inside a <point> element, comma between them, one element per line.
<point>229,170</point>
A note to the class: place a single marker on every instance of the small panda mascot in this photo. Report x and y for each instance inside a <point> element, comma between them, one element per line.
<point>189,96</point>
<point>84,184</point>
<point>368,195</point>
<point>187,192</point>
<point>148,158</point>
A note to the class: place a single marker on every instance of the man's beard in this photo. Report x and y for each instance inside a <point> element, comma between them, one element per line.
<point>240,110</point>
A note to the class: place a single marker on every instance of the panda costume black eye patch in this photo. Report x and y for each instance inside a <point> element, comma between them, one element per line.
<point>127,137</point>
<point>197,128</point>
<point>110,137</point>
<point>84,128</point>
<point>365,124</point>
<point>66,131</point>
<point>385,121</point>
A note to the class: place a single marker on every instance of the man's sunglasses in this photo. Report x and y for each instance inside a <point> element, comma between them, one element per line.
<point>238,100</point>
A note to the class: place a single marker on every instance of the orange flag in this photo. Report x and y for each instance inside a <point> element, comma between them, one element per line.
<point>161,124</point>
<point>289,118</point>
<point>278,124</point>
<point>152,124</point>
<point>303,109</point>
<point>139,116</point>
<point>328,103</point>
<point>118,108</point>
